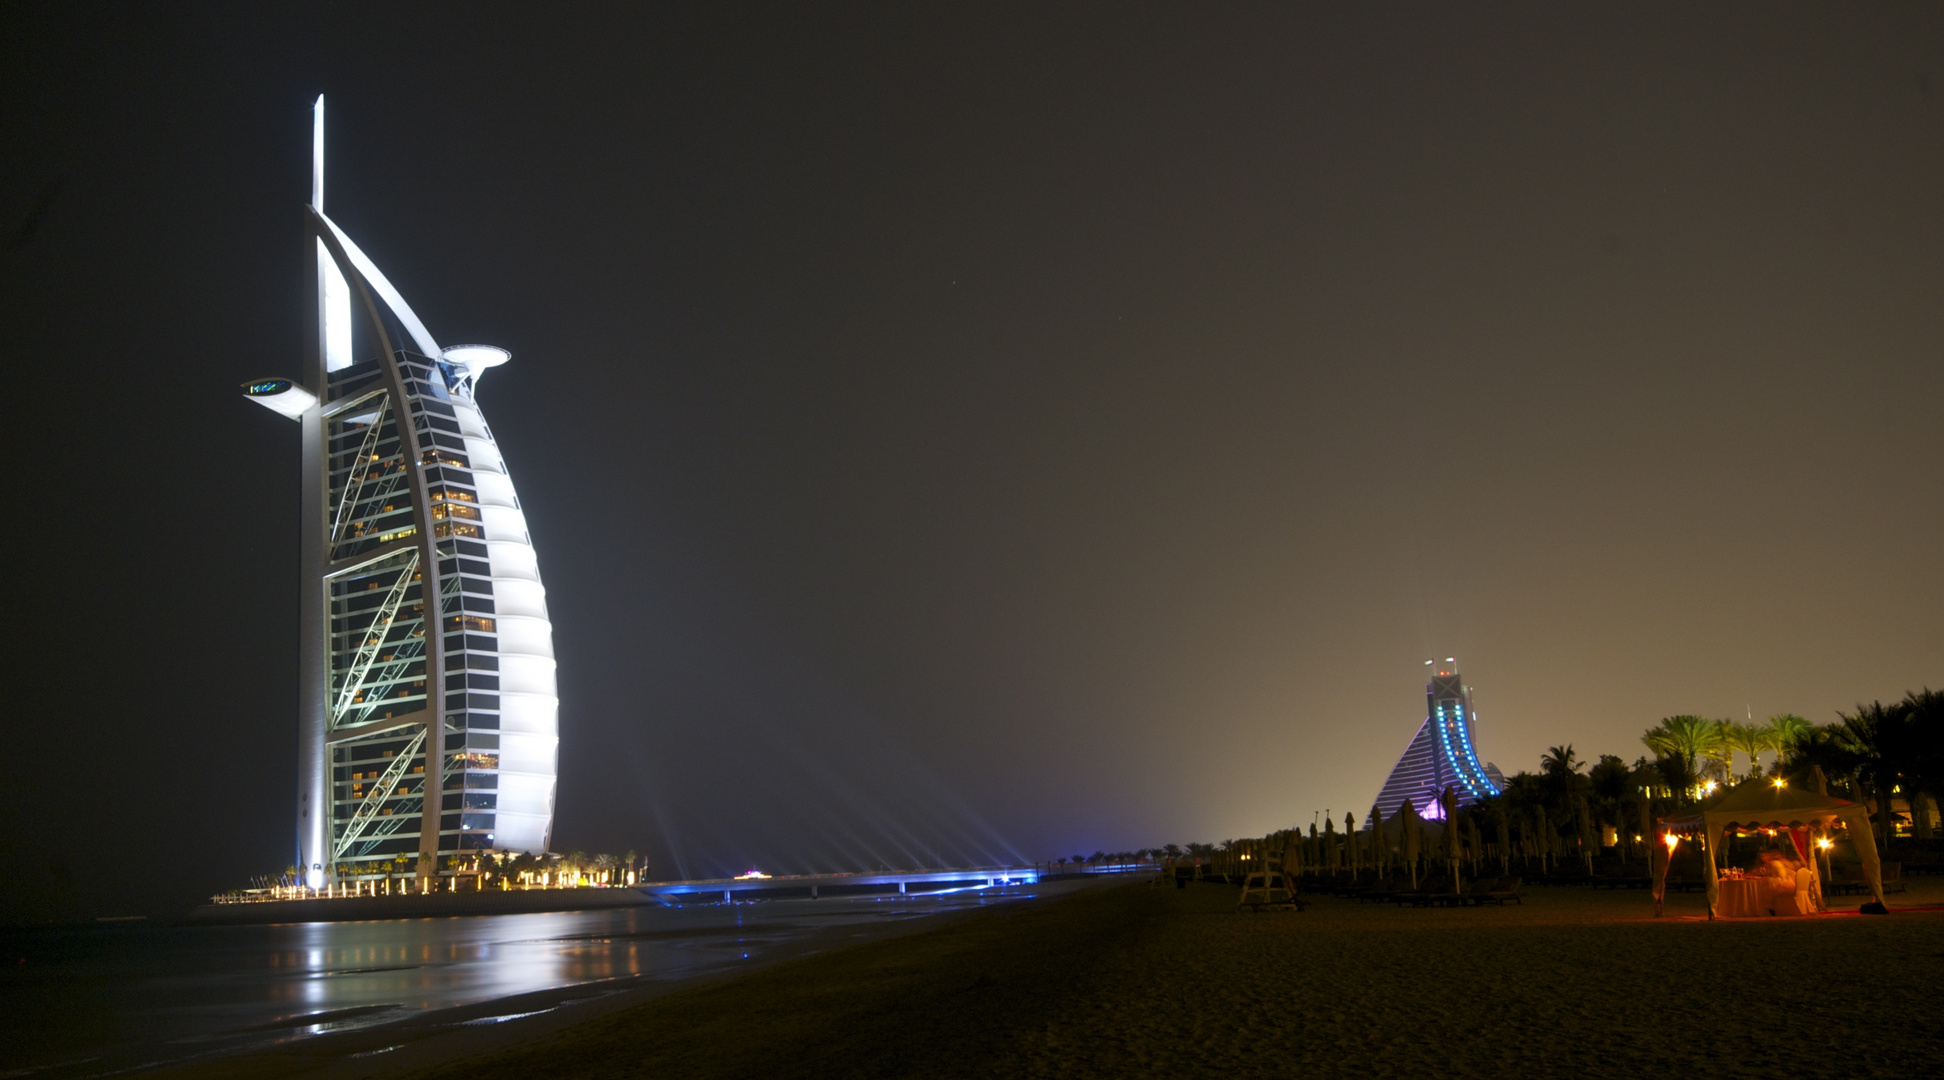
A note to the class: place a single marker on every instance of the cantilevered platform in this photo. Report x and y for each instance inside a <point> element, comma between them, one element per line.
<point>813,886</point>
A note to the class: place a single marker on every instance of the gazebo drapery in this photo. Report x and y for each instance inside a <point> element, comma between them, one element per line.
<point>1762,804</point>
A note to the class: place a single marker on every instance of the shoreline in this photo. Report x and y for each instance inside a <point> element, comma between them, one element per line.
<point>1158,981</point>
<point>834,886</point>
<point>436,905</point>
<point>1132,980</point>
<point>433,1038</point>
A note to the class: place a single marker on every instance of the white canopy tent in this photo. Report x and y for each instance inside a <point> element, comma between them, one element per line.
<point>1773,807</point>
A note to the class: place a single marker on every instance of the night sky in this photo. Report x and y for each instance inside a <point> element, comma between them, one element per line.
<point>986,435</point>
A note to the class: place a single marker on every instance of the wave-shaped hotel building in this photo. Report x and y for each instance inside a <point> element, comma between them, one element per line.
<point>428,718</point>
<point>1441,754</point>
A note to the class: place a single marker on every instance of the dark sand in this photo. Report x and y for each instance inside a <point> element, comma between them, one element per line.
<point>1133,981</point>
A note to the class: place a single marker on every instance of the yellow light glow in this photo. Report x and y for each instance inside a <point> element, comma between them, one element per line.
<point>1781,783</point>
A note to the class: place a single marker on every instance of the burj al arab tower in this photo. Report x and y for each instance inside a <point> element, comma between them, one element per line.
<point>427,715</point>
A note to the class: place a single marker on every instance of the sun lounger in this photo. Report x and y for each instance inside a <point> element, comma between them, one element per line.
<point>1270,890</point>
<point>1382,891</point>
<point>1504,889</point>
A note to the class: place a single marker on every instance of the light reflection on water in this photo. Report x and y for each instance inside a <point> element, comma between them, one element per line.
<point>165,992</point>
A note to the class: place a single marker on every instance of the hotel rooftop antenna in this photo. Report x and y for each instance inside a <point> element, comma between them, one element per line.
<point>317,155</point>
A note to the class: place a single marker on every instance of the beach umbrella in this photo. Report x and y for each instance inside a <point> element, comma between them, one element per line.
<point>1449,804</point>
<point>1544,836</point>
<point>1330,844</point>
<point>1412,836</point>
<point>1504,842</point>
<point>1351,842</point>
<point>1587,841</point>
<point>1647,821</point>
<point>1472,838</point>
<point>1379,849</point>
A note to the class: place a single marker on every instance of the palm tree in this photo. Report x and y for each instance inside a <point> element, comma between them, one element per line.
<point>1564,784</point>
<point>1717,761</point>
<point>1525,794</point>
<point>1493,810</point>
<point>1924,763</point>
<point>1645,782</point>
<point>1881,738</point>
<point>1678,773</point>
<point>1821,747</point>
<point>1612,782</point>
<point>1745,739</point>
<point>1559,761</point>
<point>1688,738</point>
<point>1784,730</point>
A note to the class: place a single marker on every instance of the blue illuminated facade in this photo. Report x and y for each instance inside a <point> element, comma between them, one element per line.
<point>1441,754</point>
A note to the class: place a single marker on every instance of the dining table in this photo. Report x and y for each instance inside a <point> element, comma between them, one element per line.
<point>1743,897</point>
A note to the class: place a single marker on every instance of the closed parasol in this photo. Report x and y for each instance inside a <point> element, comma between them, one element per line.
<point>1449,804</point>
<point>1504,840</point>
<point>1379,843</point>
<point>1353,842</point>
<point>1413,837</point>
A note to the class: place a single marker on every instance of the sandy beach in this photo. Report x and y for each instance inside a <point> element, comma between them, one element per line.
<point>1134,981</point>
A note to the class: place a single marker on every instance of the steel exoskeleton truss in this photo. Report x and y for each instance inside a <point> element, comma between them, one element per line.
<point>375,799</point>
<point>338,706</point>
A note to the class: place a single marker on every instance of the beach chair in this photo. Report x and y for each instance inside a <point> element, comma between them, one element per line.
<point>1418,897</point>
<point>1506,888</point>
<point>1381,891</point>
<point>1432,897</point>
<point>1270,889</point>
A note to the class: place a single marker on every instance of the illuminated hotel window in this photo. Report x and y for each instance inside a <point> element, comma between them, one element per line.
<point>469,622</point>
<point>455,528</point>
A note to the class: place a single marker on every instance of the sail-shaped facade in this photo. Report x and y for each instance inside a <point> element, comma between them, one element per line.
<point>1441,754</point>
<point>428,717</point>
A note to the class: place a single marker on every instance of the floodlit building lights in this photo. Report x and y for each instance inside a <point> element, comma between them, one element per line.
<point>440,695</point>
<point>1441,754</point>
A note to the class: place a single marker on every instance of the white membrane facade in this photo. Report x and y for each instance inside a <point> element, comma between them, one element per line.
<point>407,498</point>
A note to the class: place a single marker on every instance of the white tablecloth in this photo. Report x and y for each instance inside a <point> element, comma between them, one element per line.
<point>1744,898</point>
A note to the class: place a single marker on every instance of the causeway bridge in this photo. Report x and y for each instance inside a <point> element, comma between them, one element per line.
<point>814,886</point>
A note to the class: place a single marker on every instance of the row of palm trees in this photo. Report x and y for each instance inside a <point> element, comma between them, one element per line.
<point>572,869</point>
<point>1707,748</point>
<point>1875,754</point>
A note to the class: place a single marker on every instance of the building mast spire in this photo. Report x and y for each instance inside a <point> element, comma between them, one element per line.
<point>317,155</point>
